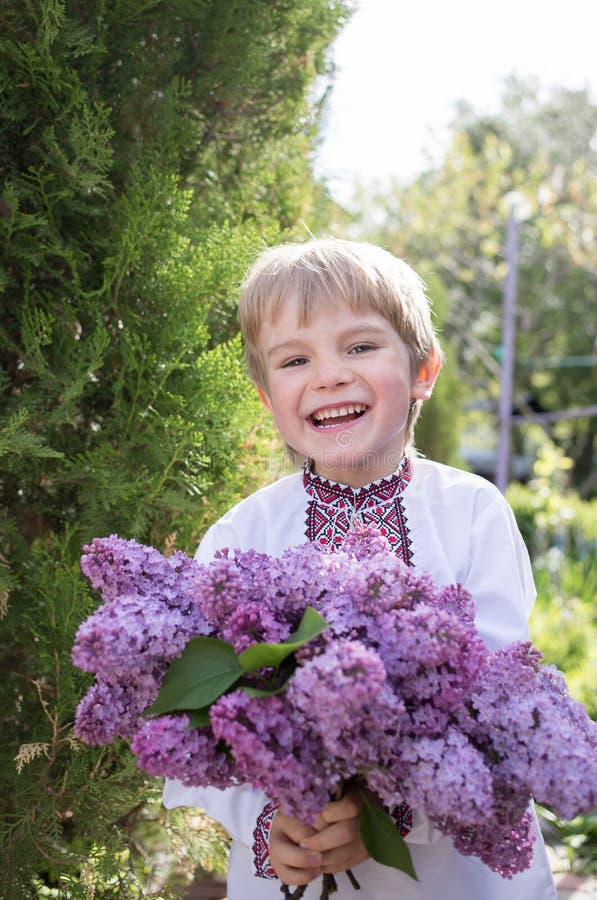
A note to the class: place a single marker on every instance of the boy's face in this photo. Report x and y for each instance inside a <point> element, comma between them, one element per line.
<point>340,388</point>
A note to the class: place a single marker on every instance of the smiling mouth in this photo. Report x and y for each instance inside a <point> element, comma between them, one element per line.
<point>339,415</point>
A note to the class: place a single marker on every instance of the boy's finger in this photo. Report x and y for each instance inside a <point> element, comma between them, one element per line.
<point>297,877</point>
<point>338,810</point>
<point>343,858</point>
<point>341,847</point>
<point>335,835</point>
<point>293,857</point>
<point>296,830</point>
<point>293,864</point>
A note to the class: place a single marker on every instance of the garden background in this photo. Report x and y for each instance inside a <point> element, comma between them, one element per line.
<point>148,151</point>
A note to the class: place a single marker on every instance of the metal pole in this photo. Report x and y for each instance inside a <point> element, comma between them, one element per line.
<point>508,349</point>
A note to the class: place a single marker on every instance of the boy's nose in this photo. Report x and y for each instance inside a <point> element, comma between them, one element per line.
<point>330,373</point>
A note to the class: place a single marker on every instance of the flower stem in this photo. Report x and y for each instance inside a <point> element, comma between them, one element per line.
<point>329,886</point>
<point>296,894</point>
<point>353,880</point>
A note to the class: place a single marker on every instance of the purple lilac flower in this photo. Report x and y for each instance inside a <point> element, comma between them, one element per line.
<point>220,588</point>
<point>117,568</point>
<point>446,776</point>
<point>275,750</point>
<point>167,746</point>
<point>364,541</point>
<point>430,655</point>
<point>110,710</point>
<point>506,851</point>
<point>234,594</point>
<point>343,695</point>
<point>301,577</point>
<point>136,629</point>
<point>545,742</point>
<point>253,622</point>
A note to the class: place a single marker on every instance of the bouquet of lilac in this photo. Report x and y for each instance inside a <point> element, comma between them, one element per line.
<point>300,673</point>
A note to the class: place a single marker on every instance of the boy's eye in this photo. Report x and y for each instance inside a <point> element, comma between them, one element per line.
<point>361,348</point>
<point>295,361</point>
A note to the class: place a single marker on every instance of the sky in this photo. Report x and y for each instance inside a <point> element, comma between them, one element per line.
<point>401,66</point>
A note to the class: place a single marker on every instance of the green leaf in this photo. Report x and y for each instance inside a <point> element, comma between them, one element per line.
<point>204,671</point>
<point>263,692</point>
<point>383,840</point>
<point>199,718</point>
<point>264,655</point>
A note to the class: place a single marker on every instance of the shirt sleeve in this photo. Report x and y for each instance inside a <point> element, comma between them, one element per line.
<point>239,809</point>
<point>499,577</point>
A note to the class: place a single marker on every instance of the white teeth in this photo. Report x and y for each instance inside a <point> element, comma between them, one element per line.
<point>338,411</point>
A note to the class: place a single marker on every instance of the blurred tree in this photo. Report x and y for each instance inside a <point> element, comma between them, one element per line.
<point>147,151</point>
<point>451,220</point>
<point>558,124</point>
<point>438,431</point>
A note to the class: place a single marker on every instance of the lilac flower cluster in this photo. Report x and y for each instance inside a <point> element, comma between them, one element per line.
<point>148,616</point>
<point>399,691</point>
<point>275,751</point>
<point>166,745</point>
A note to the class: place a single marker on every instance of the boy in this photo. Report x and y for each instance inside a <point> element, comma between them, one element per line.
<point>339,342</point>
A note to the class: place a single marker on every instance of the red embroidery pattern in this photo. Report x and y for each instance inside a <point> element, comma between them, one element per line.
<point>261,832</point>
<point>332,508</point>
<point>403,818</point>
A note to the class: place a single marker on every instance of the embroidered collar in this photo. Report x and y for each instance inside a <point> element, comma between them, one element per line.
<point>380,492</point>
<point>333,507</point>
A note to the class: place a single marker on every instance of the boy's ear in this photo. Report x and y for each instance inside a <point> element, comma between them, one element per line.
<point>264,397</point>
<point>426,378</point>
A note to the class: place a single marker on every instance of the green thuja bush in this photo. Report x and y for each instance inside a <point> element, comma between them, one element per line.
<point>147,152</point>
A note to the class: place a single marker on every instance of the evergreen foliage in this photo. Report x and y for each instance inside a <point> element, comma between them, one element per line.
<point>147,151</point>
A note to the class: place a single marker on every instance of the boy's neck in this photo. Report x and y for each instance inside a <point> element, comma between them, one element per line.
<point>354,477</point>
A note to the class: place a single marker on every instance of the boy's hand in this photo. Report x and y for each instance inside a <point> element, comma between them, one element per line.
<point>299,853</point>
<point>292,863</point>
<point>338,835</point>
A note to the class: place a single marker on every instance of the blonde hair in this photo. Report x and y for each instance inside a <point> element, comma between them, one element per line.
<point>325,271</point>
